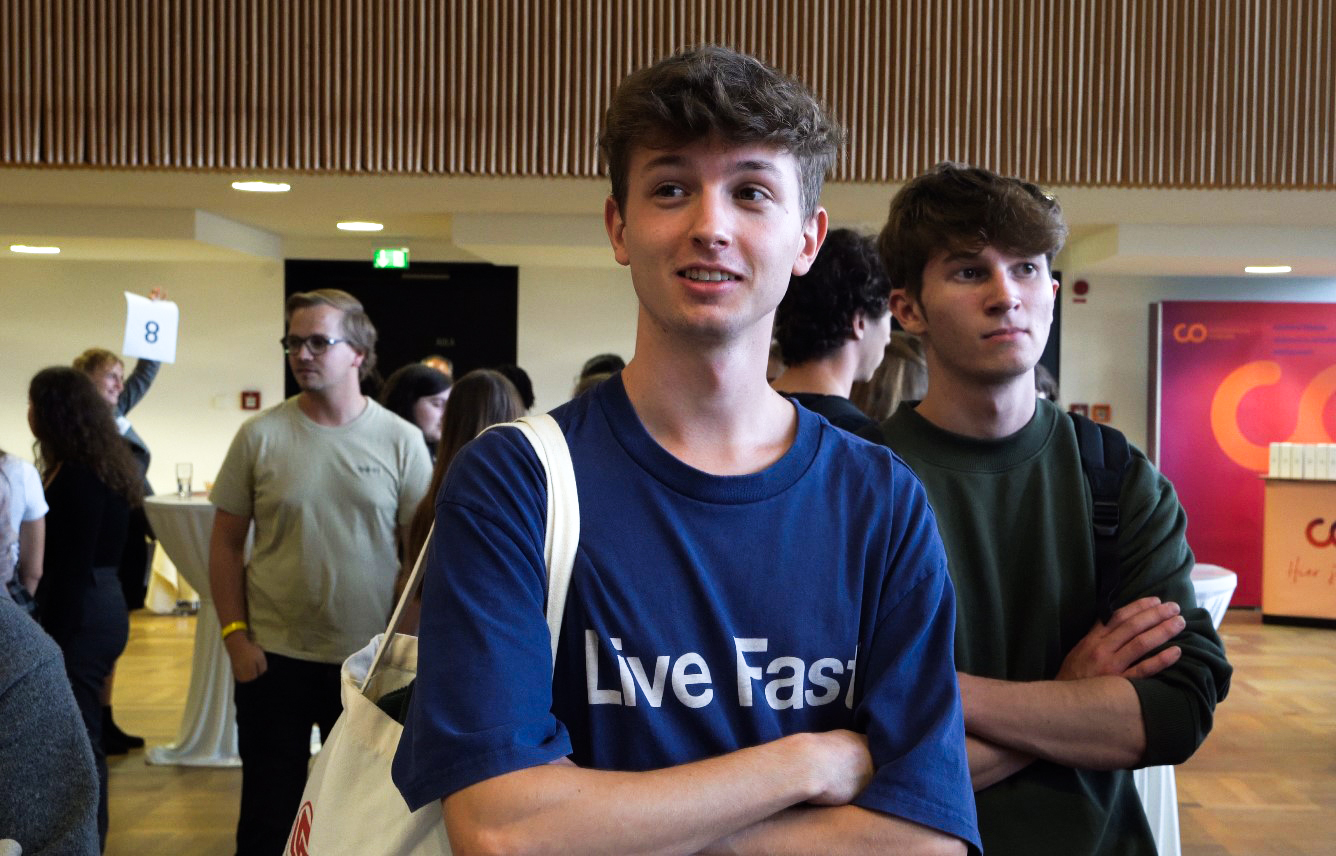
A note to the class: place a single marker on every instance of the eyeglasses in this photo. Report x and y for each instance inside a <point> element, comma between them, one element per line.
<point>317,345</point>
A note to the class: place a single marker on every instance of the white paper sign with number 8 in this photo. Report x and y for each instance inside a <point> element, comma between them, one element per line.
<point>150,328</point>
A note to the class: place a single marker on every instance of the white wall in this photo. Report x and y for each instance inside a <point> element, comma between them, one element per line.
<point>52,309</point>
<point>1105,341</point>
<point>568,315</point>
<point>231,320</point>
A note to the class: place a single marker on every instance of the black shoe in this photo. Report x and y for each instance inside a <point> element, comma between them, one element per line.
<point>115,741</point>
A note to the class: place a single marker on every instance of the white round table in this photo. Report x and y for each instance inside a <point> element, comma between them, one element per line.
<point>207,736</point>
<point>1213,586</point>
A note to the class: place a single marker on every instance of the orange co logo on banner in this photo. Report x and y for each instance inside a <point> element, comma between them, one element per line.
<point>1308,428</point>
<point>1329,541</point>
<point>1189,334</point>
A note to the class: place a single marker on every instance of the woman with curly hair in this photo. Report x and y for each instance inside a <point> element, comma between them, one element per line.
<point>479,399</point>
<point>92,483</point>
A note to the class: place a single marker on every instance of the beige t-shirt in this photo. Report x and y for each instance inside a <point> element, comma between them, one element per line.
<point>326,504</point>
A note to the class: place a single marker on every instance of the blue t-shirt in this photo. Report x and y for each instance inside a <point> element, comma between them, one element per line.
<point>705,614</point>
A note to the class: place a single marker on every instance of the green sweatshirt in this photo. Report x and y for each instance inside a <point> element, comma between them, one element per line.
<point>1015,517</point>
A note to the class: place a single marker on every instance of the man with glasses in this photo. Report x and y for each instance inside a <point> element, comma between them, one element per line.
<point>328,477</point>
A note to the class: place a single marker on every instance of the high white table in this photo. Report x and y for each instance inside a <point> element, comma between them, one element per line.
<point>1214,586</point>
<point>207,736</point>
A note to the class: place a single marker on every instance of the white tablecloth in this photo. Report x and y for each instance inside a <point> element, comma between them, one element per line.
<point>207,736</point>
<point>1214,586</point>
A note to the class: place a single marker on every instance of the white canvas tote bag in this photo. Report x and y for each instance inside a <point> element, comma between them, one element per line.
<point>350,804</point>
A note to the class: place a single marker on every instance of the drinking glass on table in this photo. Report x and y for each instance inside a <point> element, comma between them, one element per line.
<point>184,472</point>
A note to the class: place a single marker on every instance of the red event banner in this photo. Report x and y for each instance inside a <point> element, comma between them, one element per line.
<point>1233,378</point>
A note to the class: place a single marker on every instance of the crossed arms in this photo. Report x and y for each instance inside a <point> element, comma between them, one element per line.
<point>1120,698</point>
<point>485,749</point>
<point>790,795</point>
<point>1089,716</point>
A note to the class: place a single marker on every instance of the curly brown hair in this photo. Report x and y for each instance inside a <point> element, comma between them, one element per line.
<point>713,91</point>
<point>954,207</point>
<point>72,422</point>
<point>817,313</point>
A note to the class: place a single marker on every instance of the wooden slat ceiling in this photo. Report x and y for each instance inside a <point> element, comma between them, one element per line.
<point>1131,93</point>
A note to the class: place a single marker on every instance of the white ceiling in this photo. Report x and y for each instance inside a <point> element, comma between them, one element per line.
<point>169,215</point>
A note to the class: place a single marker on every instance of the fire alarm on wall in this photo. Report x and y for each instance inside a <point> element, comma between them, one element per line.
<point>250,399</point>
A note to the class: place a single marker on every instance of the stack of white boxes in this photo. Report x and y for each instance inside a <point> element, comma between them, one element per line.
<point>1314,461</point>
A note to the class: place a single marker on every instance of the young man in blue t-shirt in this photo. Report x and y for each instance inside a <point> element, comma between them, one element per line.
<point>756,648</point>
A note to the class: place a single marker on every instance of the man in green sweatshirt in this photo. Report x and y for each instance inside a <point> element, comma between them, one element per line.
<point>1059,705</point>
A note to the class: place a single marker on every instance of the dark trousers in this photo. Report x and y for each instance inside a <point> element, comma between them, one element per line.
<point>275,713</point>
<point>90,654</point>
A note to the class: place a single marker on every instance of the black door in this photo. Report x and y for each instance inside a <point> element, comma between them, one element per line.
<point>464,311</point>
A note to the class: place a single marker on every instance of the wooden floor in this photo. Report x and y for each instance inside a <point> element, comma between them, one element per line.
<point>1265,780</point>
<point>1264,783</point>
<point>164,810</point>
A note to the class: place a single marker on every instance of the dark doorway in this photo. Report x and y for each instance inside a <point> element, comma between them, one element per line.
<point>1050,357</point>
<point>464,311</point>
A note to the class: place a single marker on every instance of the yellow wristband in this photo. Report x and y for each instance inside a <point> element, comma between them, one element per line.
<point>233,628</point>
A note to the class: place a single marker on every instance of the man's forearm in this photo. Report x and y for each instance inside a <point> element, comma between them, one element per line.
<point>564,809</point>
<point>1093,722</point>
<point>991,763</point>
<point>835,829</point>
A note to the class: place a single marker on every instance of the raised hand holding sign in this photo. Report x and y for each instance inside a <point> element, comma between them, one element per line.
<point>150,327</point>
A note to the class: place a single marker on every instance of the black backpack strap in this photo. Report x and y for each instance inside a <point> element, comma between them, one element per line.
<point>1105,457</point>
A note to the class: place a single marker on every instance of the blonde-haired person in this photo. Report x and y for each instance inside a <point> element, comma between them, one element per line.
<point>902,376</point>
<point>107,371</point>
<point>330,480</point>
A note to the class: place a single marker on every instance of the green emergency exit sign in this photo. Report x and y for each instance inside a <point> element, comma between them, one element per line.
<point>390,257</point>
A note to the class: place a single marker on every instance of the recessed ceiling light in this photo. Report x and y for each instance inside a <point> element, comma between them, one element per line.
<point>39,251</point>
<point>262,186</point>
<point>360,226</point>
<point>1267,269</point>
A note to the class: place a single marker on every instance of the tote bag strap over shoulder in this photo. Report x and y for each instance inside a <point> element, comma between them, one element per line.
<point>562,532</point>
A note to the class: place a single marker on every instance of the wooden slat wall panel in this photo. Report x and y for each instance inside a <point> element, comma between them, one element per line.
<point>1134,93</point>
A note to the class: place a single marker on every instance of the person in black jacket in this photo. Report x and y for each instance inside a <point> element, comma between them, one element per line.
<point>91,483</point>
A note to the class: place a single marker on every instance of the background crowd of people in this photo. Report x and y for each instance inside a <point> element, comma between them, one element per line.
<point>76,547</point>
<point>76,551</point>
<point>1008,668</point>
